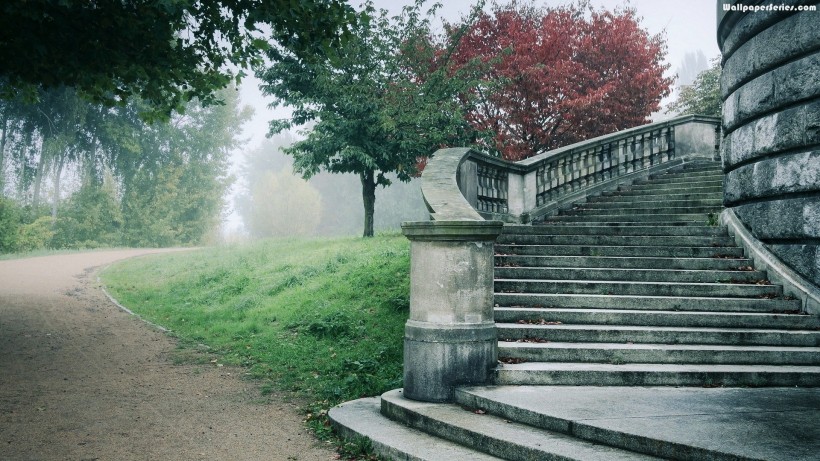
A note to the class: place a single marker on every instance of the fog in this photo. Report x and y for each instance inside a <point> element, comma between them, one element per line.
<point>690,30</point>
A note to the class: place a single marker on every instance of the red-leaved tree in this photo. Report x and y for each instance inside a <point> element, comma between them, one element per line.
<point>555,76</point>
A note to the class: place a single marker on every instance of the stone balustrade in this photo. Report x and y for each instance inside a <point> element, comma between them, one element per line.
<point>450,338</point>
<point>538,186</point>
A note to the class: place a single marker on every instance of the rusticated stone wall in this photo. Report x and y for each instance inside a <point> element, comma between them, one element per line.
<point>771,124</point>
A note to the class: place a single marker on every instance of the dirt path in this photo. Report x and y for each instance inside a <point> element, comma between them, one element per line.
<point>82,380</point>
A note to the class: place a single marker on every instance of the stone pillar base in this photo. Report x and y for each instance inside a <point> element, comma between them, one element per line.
<point>437,358</point>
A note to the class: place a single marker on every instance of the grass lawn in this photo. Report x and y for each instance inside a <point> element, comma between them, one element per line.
<point>322,318</point>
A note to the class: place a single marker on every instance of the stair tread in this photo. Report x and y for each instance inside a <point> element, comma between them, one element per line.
<point>548,310</point>
<point>496,434</point>
<point>655,346</point>
<point>658,367</point>
<point>393,440</point>
<point>563,326</point>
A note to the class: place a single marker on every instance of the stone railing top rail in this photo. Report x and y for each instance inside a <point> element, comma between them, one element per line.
<point>440,188</point>
<point>617,136</point>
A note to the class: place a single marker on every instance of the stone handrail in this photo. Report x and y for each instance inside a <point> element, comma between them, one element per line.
<point>461,184</point>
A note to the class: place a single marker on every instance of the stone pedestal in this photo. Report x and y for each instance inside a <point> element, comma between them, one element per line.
<point>450,338</point>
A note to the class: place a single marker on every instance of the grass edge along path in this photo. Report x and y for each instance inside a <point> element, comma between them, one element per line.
<point>322,319</point>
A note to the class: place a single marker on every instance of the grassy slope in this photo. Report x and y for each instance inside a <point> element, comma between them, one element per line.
<point>323,318</point>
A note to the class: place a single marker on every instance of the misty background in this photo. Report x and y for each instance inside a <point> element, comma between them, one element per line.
<point>268,200</point>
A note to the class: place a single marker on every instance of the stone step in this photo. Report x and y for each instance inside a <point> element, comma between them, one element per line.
<point>549,221</point>
<point>393,440</point>
<point>690,173</point>
<point>496,436</point>
<point>638,251</point>
<point>655,189</point>
<point>617,197</point>
<point>591,209</point>
<point>599,374</point>
<point>643,202</point>
<point>705,319</point>
<point>680,303</point>
<point>687,424</point>
<point>682,179</point>
<point>700,218</point>
<point>657,335</point>
<point>624,262</point>
<point>720,290</point>
<point>637,230</point>
<point>637,275</point>
<point>617,240</point>
<point>615,353</point>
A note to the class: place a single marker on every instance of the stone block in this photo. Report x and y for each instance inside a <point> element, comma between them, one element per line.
<point>753,23</point>
<point>768,49</point>
<point>794,173</point>
<point>777,132</point>
<point>805,259</point>
<point>783,219</point>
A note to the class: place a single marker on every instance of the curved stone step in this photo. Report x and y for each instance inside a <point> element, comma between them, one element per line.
<point>693,424</point>
<point>701,218</point>
<point>393,440</point>
<point>643,202</point>
<point>657,335</point>
<point>682,179</point>
<point>632,251</point>
<point>617,240</point>
<point>637,275</point>
<point>624,262</point>
<point>614,287</point>
<point>600,229</point>
<point>618,353</point>
<point>756,320</point>
<point>592,210</point>
<point>493,435</point>
<point>598,374</point>
<point>671,303</point>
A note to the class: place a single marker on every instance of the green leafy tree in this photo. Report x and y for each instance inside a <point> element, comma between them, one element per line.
<point>166,52</point>
<point>377,104</point>
<point>702,97</point>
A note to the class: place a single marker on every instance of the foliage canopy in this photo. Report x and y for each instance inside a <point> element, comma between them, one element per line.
<point>559,75</point>
<point>377,104</point>
<point>167,52</point>
<point>702,97</point>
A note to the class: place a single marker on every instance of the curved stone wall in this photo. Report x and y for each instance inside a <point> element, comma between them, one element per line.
<point>771,122</point>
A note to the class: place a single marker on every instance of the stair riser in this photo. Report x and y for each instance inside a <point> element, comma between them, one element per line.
<point>621,197</point>
<point>547,222</point>
<point>735,338</point>
<point>660,319</point>
<point>593,355</point>
<point>666,189</point>
<point>625,263</point>
<point>651,252</point>
<point>631,378</point>
<point>684,180</point>
<point>695,231</point>
<point>700,218</point>
<point>493,445</point>
<point>654,303</point>
<point>617,240</point>
<point>636,275</point>
<point>654,205</point>
<point>689,174</point>
<point>626,288</point>
<point>617,211</point>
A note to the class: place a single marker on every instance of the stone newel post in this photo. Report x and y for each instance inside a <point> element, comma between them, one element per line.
<point>450,338</point>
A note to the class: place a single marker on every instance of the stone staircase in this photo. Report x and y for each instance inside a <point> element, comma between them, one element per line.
<point>643,287</point>
<point>634,288</point>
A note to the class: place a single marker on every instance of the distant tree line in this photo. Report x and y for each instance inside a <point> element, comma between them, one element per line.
<point>78,174</point>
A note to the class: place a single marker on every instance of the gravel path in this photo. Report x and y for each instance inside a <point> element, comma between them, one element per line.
<point>82,380</point>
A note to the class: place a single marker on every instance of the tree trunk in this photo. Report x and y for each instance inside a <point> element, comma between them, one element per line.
<point>369,199</point>
<point>57,174</point>
<point>3,138</point>
<point>38,176</point>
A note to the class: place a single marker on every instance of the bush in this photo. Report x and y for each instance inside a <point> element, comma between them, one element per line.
<point>10,220</point>
<point>36,235</point>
